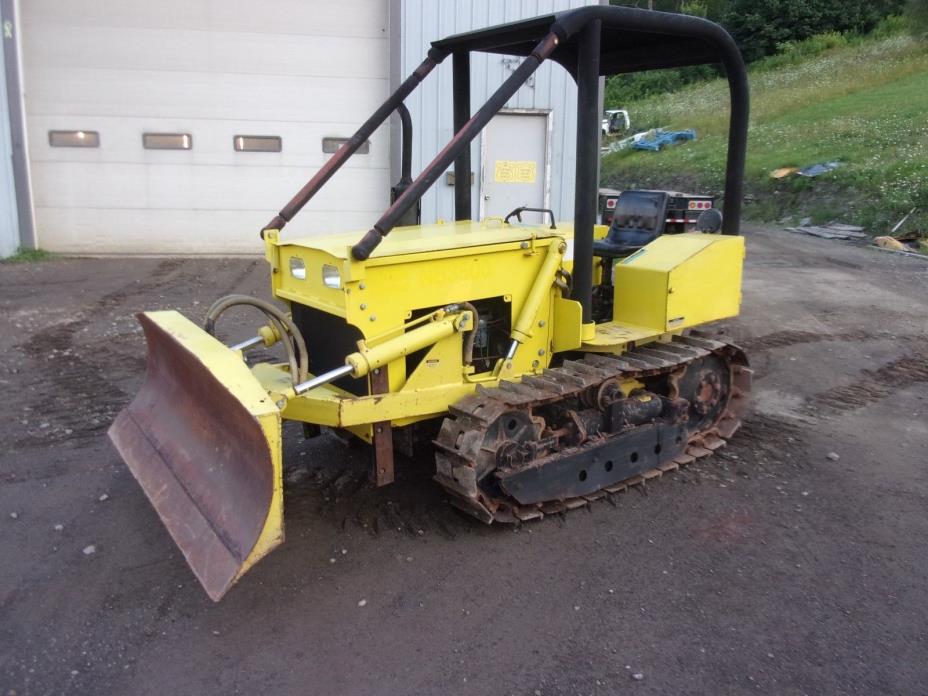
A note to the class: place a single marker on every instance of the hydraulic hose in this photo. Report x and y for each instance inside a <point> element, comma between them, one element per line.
<point>471,336</point>
<point>297,355</point>
<point>227,302</point>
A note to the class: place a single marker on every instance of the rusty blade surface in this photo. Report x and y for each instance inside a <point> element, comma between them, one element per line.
<point>201,457</point>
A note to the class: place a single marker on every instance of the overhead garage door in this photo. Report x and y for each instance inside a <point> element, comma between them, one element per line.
<point>211,70</point>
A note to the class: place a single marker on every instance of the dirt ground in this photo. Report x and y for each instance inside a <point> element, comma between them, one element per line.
<point>768,568</point>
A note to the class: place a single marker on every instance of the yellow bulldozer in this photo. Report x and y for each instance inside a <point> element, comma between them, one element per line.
<point>545,365</point>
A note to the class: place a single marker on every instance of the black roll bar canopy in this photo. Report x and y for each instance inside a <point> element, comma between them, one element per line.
<point>588,42</point>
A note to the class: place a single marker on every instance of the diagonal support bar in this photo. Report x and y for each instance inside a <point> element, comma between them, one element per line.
<point>305,194</point>
<point>461,140</point>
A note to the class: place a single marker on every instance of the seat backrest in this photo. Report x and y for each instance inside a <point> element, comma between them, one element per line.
<point>643,211</point>
<point>639,219</point>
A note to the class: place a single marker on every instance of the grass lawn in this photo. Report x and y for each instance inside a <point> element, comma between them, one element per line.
<point>864,103</point>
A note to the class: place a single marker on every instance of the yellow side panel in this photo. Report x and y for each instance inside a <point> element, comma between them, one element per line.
<point>442,364</point>
<point>568,324</point>
<point>640,296</point>
<point>680,280</point>
<point>708,286</point>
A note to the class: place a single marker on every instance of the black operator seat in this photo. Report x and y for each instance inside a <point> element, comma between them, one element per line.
<point>639,218</point>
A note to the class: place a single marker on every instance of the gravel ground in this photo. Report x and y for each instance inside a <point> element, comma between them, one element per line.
<point>792,562</point>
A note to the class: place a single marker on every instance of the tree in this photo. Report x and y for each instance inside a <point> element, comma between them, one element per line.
<point>917,12</point>
<point>711,9</point>
<point>760,27</point>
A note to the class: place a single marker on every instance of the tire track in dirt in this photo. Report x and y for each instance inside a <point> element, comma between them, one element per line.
<point>238,280</point>
<point>872,385</point>
<point>786,338</point>
<point>340,493</point>
<point>74,394</point>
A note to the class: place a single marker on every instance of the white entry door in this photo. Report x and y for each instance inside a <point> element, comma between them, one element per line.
<point>514,171</point>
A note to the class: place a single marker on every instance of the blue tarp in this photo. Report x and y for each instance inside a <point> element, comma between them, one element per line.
<point>817,169</point>
<point>661,138</point>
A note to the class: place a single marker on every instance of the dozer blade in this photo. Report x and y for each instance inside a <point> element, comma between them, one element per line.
<point>202,437</point>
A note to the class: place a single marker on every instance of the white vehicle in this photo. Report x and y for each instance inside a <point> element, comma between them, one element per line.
<point>616,121</point>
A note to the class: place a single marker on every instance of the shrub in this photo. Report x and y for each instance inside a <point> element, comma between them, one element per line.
<point>917,13</point>
<point>891,26</point>
<point>760,27</point>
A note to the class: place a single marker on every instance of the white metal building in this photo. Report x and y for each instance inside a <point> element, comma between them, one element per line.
<point>182,126</point>
<point>541,120</point>
<point>9,222</point>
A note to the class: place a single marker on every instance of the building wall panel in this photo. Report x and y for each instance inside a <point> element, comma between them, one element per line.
<point>551,89</point>
<point>299,69</point>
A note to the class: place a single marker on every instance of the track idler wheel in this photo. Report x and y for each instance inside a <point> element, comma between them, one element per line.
<point>706,385</point>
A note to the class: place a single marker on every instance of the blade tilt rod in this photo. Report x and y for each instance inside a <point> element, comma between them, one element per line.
<point>324,378</point>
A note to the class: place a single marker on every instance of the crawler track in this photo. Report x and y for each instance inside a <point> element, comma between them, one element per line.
<point>574,467</point>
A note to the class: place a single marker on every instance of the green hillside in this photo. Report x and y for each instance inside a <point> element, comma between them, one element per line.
<point>863,102</point>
